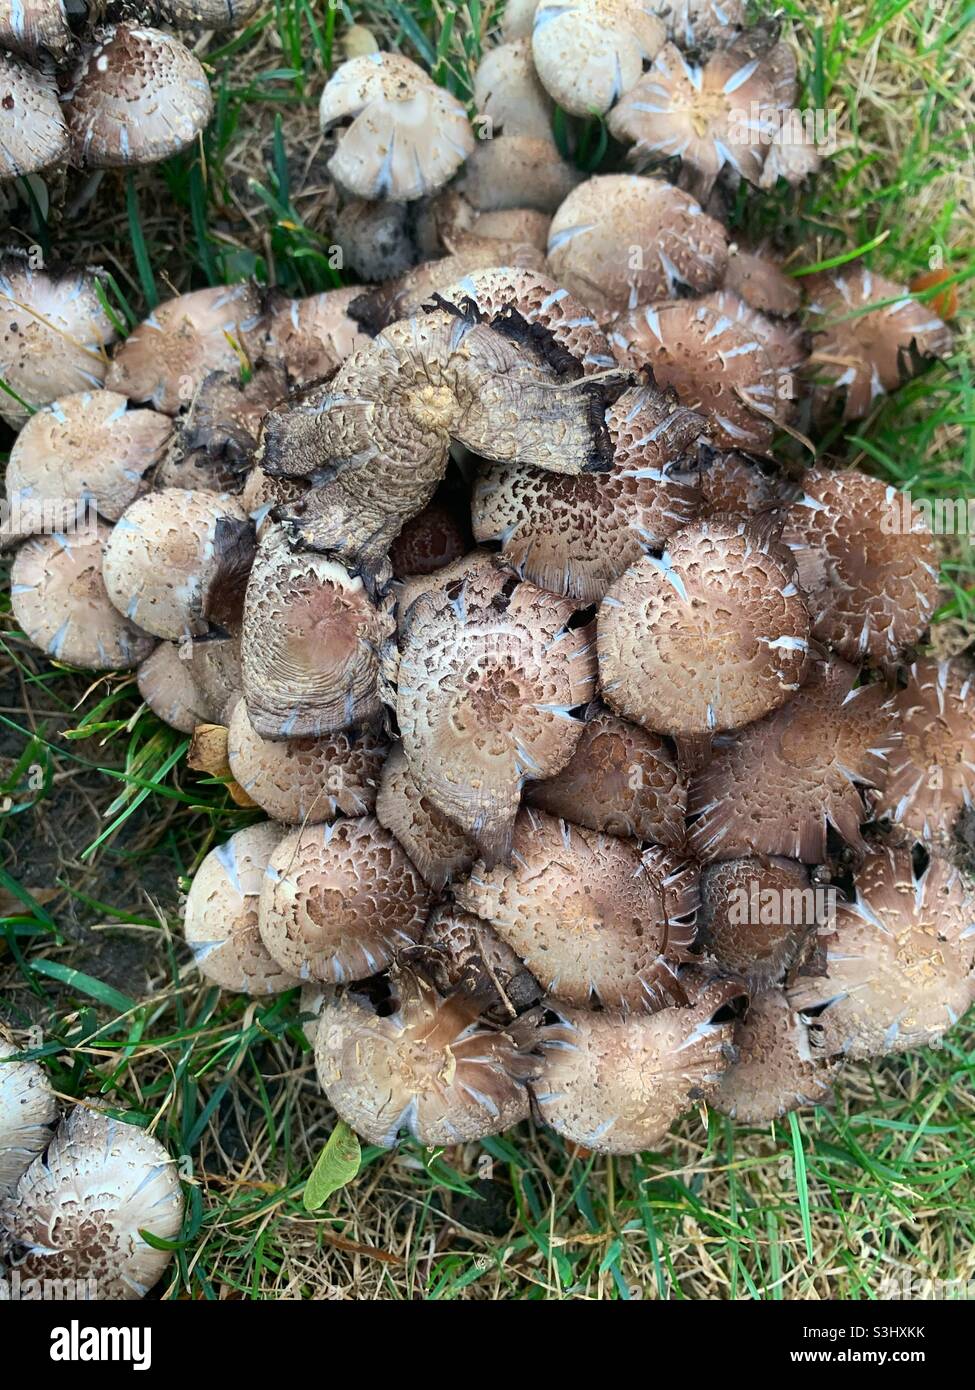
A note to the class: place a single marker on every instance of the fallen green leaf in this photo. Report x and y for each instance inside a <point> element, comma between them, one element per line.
<point>337,1165</point>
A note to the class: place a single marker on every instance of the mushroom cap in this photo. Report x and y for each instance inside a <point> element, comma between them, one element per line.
<point>757,278</point>
<point>517,19</point>
<point>59,599</point>
<point>616,1084</point>
<point>28,26</point>
<point>262,494</point>
<point>340,900</point>
<point>518,171</point>
<point>871,582</point>
<point>215,661</point>
<point>594,920</point>
<point>755,916</point>
<point>775,786</point>
<point>431,539</point>
<point>619,240</point>
<point>899,966</point>
<point>621,780</point>
<point>27,1111</point>
<point>782,1064</point>
<point>310,643</point>
<point>788,157</point>
<point>784,343</point>
<point>166,359</point>
<point>589,52</point>
<point>220,919</point>
<point>514,225</point>
<point>376,239</point>
<point>136,96</point>
<point>405,136</point>
<point>439,848</point>
<point>170,553</point>
<point>458,947</point>
<point>207,14</point>
<point>53,334</point>
<point>166,684</point>
<point>217,438</point>
<point>306,780</point>
<point>431,1067</point>
<point>508,94</point>
<point>708,637</point>
<point>312,337</point>
<point>734,484</point>
<point>78,1210</point>
<point>87,446</point>
<point>695,23</point>
<point>34,135</point>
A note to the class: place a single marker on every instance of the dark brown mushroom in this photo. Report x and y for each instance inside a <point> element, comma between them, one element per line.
<point>757,914</point>
<point>782,1064</point>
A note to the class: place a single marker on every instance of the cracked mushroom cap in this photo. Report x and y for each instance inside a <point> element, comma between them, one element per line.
<point>429,541</point>
<point>899,967</point>
<point>517,171</point>
<point>59,599</point>
<point>589,52</point>
<point>166,359</point>
<point>867,562</point>
<point>594,920</point>
<point>458,948</point>
<point>33,135</point>
<point>620,240</point>
<point>220,918</point>
<point>27,1112</point>
<point>438,847</point>
<point>172,555</point>
<point>508,94</point>
<point>262,494</point>
<point>710,636</point>
<point>312,337</point>
<point>617,1083</point>
<point>756,915</point>
<point>306,780</point>
<point>217,438</point>
<point>698,23</point>
<point>782,1064</point>
<point>29,27</point>
<point>758,279</point>
<point>736,485</point>
<point>78,1211</point>
<point>402,136</point>
<point>776,785</point>
<point>166,683</point>
<point>340,900</point>
<point>136,96</point>
<point>785,343</point>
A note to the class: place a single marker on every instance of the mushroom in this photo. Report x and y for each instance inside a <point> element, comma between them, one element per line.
<point>303,781</point>
<point>439,848</point>
<point>312,337</point>
<point>59,599</point>
<point>27,1112</point>
<point>899,966</point>
<point>33,135</point>
<point>784,343</point>
<point>596,921</point>
<point>756,915</point>
<point>339,900</point>
<point>616,1084</point>
<point>697,23</point>
<point>589,52</point>
<point>403,137</point>
<point>517,171</point>
<point>262,495</point>
<point>220,917</point>
<point>79,1211</point>
<point>508,95</point>
<point>34,27</point>
<point>375,239</point>
<point>758,279</point>
<point>216,441</point>
<point>458,948</point>
<point>431,539</point>
<point>136,96</point>
<point>782,1064</point>
<point>165,680</point>
<point>216,15</point>
<point>708,637</point>
<point>736,485</point>
<point>524,225</point>
<point>517,19</point>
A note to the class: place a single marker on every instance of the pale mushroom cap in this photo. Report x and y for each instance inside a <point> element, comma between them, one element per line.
<point>166,684</point>
<point>28,26</point>
<point>458,947</point>
<point>78,1210</point>
<point>782,1064</point>
<point>312,337</point>
<point>789,158</point>
<point>220,919</point>
<point>27,1111</point>
<point>757,278</point>
<point>32,131</point>
<point>439,848</point>
<point>518,171</point>
<point>340,900</point>
<point>137,96</point>
<point>514,224</point>
<point>508,94</point>
<point>518,18</point>
<point>59,598</point>
<point>312,1000</point>
<point>755,916</point>
<point>589,52</point>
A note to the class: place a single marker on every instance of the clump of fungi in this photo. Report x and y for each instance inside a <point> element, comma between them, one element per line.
<point>598,770</point>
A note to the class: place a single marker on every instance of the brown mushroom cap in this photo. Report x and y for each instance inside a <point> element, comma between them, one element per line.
<point>376,239</point>
<point>220,919</point>
<point>734,484</point>
<point>589,52</point>
<point>431,539</point>
<point>340,900</point>
<point>28,26</point>
<point>518,171</point>
<point>695,23</point>
<point>755,916</point>
<point>312,337</point>
<point>136,96</point>
<point>775,786</point>
<point>33,135</point>
<point>262,494</point>
<point>899,968</point>
<point>218,15</point>
<point>217,438</point>
<point>508,94</point>
<point>595,921</point>
<point>526,225</point>
<point>166,684</point>
<point>708,637</point>
<point>27,1111</point>
<point>438,847</point>
<point>616,1084</point>
<point>871,581</point>
<point>784,343</point>
<point>790,156</point>
<point>458,947</point>
<point>758,279</point>
<point>59,598</point>
<point>782,1064</point>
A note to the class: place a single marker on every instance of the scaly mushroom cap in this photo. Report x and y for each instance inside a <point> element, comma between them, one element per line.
<point>508,94</point>
<point>616,1084</point>
<point>403,136</point>
<point>774,787</point>
<point>376,239</point>
<point>215,661</point>
<point>782,1064</point>
<point>932,771</point>
<point>862,352</point>
<point>310,643</point>
<point>59,598</point>
<point>171,554</point>
<point>312,337</point>
<point>220,919</point>
<point>595,921</point>
<point>53,334</point>
<point>517,171</point>
<point>576,535</point>
<point>696,23</point>
<point>491,672</point>
<point>438,847</point>
<point>27,26</point>
<point>136,96</point>
<point>515,225</point>
<point>427,542</point>
<point>262,494</point>
<point>78,1210</point>
<point>621,780</point>
<point>735,485</point>
<point>866,561</point>
<point>166,359</point>
<point>783,342</point>
<point>899,968</point>
<point>305,780</point>
<point>217,438</point>
<point>620,240</point>
<point>458,948</point>
<point>432,1067</point>
<point>88,447</point>
<point>755,916</point>
<point>166,684</point>
<point>589,52</point>
<point>759,280</point>
<point>32,131</point>
<point>27,1111</point>
<point>708,637</point>
<point>340,900</point>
